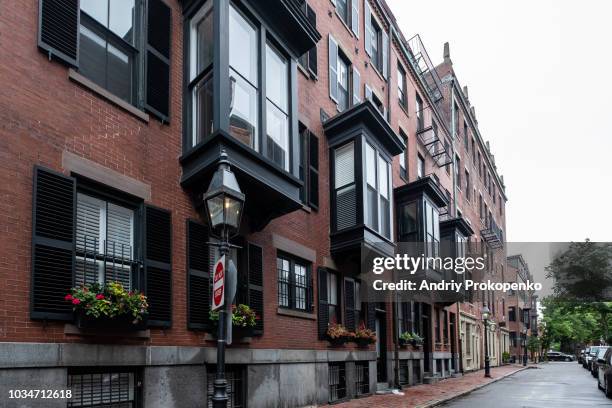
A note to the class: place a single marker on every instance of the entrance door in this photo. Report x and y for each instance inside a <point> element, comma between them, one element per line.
<point>381,347</point>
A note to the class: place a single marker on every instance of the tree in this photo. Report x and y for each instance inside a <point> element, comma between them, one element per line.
<point>583,282</point>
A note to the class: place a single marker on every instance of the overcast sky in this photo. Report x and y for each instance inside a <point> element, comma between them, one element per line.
<point>540,76</point>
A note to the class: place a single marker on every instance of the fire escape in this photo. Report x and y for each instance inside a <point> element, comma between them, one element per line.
<point>429,136</point>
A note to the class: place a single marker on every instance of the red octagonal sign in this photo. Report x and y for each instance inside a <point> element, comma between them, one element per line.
<point>219,284</point>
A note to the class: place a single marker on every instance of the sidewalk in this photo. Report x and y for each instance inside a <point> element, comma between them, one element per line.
<point>429,395</point>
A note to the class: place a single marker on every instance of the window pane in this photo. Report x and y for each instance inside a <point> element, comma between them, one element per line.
<point>277,124</point>
<point>98,9</point>
<point>89,223</point>
<point>121,19</point>
<point>345,165</point>
<point>342,9</point>
<point>203,109</point>
<point>243,115</point>
<point>205,42</point>
<point>119,75</point>
<point>332,289</point>
<point>383,177</point>
<point>343,93</point>
<point>283,281</point>
<point>92,56</point>
<point>276,78</point>
<point>243,46</point>
<point>119,231</point>
<point>370,165</point>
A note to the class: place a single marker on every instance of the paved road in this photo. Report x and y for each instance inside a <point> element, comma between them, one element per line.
<point>553,385</point>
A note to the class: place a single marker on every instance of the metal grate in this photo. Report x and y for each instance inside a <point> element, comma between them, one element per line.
<point>362,377</point>
<point>99,388</point>
<point>337,381</point>
<point>235,386</point>
<point>112,264</point>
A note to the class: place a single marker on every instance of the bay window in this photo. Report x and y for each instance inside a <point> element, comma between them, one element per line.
<point>259,71</point>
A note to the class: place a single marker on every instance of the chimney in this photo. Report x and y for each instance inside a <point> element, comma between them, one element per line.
<point>488,147</point>
<point>447,58</point>
<point>465,92</point>
<point>473,111</point>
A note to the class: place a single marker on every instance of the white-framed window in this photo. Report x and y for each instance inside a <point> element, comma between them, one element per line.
<point>104,242</point>
<point>432,229</point>
<point>377,203</point>
<point>200,73</point>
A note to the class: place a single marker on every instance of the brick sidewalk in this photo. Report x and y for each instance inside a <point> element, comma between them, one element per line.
<point>427,394</point>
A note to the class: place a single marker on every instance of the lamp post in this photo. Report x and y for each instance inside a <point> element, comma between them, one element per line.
<point>223,202</point>
<point>485,318</point>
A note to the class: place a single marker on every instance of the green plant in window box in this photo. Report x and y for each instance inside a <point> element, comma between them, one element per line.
<point>364,337</point>
<point>108,306</point>
<point>405,338</point>
<point>244,320</point>
<point>416,340</point>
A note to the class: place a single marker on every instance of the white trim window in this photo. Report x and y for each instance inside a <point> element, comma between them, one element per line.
<point>104,242</point>
<point>378,196</point>
<point>201,54</point>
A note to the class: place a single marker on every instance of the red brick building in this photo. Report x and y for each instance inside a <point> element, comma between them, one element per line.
<point>342,136</point>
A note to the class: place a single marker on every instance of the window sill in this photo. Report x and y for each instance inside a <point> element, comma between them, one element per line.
<point>295,313</point>
<point>81,80</point>
<point>71,329</point>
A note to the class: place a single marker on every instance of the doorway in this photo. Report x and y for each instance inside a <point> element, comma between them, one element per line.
<point>381,345</point>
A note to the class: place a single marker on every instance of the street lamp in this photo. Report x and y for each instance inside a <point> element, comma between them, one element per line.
<point>223,202</point>
<point>486,313</point>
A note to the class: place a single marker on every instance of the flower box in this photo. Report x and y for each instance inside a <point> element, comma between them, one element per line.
<point>337,341</point>
<point>120,323</point>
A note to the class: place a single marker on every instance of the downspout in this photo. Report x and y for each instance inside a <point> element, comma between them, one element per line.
<point>460,350</point>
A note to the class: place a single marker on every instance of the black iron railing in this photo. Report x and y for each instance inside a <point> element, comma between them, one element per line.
<point>106,261</point>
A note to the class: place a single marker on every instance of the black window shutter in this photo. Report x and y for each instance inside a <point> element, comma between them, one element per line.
<point>349,304</point>
<point>53,226</point>
<point>158,59</point>
<point>58,29</point>
<point>158,265</point>
<point>312,54</point>
<point>313,171</point>
<point>198,276</point>
<point>255,270</point>
<point>322,307</point>
<point>371,316</point>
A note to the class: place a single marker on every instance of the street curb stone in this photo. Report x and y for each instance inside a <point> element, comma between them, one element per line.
<point>436,403</point>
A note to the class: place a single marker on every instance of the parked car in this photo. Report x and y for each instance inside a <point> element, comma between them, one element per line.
<point>604,373</point>
<point>595,361</point>
<point>587,351</point>
<point>591,356</point>
<point>582,354</point>
<point>558,356</point>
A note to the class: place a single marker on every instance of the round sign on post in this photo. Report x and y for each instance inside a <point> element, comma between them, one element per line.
<point>219,284</point>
